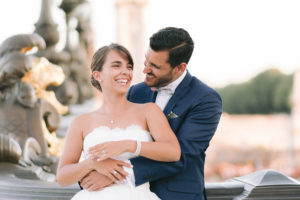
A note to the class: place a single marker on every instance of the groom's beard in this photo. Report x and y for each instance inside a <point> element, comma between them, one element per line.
<point>160,81</point>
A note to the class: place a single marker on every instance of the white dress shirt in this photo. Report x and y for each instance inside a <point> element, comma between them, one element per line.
<point>164,94</point>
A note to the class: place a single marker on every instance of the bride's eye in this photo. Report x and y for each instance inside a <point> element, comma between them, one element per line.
<point>130,67</point>
<point>115,66</point>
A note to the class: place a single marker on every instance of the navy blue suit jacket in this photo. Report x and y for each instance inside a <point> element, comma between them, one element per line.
<point>198,108</point>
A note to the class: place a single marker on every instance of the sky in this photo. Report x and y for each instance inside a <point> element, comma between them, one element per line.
<point>234,39</point>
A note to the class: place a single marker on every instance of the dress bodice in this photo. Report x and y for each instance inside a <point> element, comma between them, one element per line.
<point>104,134</point>
<point>122,190</point>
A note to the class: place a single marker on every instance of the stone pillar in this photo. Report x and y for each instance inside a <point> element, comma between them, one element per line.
<point>131,32</point>
<point>46,28</point>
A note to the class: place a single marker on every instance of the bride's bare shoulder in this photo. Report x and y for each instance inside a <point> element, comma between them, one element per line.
<point>82,119</point>
<point>148,107</point>
<point>151,106</point>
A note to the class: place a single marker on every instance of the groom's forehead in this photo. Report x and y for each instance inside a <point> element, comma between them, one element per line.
<point>157,56</point>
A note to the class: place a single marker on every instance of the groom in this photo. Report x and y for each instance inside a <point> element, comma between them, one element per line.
<point>193,110</point>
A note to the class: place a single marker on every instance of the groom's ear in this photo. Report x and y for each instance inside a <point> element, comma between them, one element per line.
<point>181,67</point>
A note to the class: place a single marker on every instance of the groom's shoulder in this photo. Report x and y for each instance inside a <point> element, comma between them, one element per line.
<point>200,89</point>
<point>197,84</point>
<point>139,88</point>
<point>138,92</point>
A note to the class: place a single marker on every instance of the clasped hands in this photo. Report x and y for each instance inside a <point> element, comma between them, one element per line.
<point>107,171</point>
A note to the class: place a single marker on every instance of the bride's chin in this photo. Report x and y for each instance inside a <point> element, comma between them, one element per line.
<point>118,91</point>
<point>122,90</point>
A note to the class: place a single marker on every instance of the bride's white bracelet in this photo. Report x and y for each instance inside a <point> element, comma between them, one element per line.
<point>138,148</point>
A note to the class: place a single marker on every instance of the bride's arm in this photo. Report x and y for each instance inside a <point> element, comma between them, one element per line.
<point>164,148</point>
<point>71,171</point>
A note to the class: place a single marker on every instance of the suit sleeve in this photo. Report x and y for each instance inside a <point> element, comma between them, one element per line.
<point>128,95</point>
<point>194,134</point>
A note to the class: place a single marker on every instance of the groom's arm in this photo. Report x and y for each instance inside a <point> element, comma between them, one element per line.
<point>194,135</point>
<point>95,181</point>
<point>102,177</point>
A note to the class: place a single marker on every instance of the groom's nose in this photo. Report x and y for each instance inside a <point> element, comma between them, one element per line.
<point>147,68</point>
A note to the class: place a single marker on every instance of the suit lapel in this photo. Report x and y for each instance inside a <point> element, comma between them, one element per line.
<point>153,96</point>
<point>179,93</point>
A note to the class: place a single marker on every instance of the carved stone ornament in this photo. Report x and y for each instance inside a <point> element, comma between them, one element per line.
<point>29,114</point>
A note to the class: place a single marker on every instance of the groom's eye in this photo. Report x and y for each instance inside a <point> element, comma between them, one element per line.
<point>155,66</point>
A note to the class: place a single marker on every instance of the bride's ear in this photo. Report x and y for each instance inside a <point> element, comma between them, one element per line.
<point>97,75</point>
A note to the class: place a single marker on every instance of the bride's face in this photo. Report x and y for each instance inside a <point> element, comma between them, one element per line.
<point>116,74</point>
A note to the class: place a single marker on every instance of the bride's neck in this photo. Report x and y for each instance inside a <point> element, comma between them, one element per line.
<point>114,103</point>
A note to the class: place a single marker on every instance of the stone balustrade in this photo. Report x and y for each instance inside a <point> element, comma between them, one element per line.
<point>20,183</point>
<point>260,185</point>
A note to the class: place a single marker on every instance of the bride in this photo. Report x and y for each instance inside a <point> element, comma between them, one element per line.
<point>116,132</point>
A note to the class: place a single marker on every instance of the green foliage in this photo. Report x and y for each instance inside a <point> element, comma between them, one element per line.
<point>268,92</point>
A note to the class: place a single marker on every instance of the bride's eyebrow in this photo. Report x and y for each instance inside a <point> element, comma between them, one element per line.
<point>117,62</point>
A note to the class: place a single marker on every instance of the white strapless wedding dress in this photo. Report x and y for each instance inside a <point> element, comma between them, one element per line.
<point>120,191</point>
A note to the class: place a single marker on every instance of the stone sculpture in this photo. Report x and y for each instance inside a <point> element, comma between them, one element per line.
<point>73,58</point>
<point>28,113</point>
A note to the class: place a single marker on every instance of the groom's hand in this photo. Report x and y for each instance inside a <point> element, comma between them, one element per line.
<point>95,181</point>
<point>112,168</point>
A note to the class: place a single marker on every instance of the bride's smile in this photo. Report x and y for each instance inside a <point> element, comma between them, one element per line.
<point>123,82</point>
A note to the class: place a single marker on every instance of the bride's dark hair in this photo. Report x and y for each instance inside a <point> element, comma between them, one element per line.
<point>99,59</point>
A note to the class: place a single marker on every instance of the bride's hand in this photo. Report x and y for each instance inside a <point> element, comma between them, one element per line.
<point>106,150</point>
<point>112,168</point>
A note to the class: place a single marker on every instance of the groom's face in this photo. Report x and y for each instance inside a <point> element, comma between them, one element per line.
<point>157,68</point>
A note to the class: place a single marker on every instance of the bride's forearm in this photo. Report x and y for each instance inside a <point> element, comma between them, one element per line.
<point>72,173</point>
<point>161,151</point>
<point>165,150</point>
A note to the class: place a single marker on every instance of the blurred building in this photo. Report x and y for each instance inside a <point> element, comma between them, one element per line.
<point>131,32</point>
<point>296,106</point>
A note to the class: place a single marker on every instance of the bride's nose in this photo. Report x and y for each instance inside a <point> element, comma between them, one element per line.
<point>125,71</point>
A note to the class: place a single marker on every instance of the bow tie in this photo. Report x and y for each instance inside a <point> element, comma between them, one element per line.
<point>163,90</point>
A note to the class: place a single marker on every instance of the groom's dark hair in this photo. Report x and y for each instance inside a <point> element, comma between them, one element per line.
<point>175,40</point>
